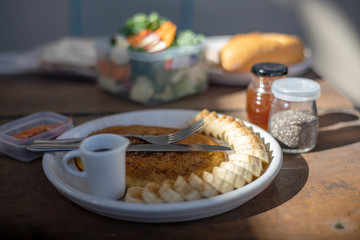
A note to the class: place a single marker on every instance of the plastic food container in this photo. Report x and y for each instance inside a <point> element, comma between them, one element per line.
<point>15,147</point>
<point>151,78</point>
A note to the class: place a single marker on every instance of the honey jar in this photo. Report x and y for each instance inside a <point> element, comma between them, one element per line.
<point>259,95</point>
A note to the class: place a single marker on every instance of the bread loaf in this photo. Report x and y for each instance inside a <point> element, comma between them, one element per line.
<point>244,50</point>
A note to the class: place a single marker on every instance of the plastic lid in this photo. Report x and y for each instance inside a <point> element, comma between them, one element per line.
<point>269,69</point>
<point>296,89</point>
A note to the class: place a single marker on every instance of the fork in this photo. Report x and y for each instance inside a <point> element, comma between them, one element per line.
<point>154,139</point>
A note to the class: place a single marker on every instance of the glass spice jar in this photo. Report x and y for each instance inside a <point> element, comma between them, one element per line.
<point>259,95</point>
<point>293,119</point>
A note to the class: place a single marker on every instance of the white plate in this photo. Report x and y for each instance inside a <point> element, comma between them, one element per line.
<point>77,191</point>
<point>220,77</point>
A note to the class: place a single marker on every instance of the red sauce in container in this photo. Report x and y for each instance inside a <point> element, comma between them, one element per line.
<point>259,95</point>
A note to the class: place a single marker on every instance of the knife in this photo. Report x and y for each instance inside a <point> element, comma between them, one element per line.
<point>37,147</point>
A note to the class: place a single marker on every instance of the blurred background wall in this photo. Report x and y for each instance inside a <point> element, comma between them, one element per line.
<point>331,28</point>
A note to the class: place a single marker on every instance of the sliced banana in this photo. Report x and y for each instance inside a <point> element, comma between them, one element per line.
<point>208,123</point>
<point>259,153</point>
<point>236,180</point>
<point>217,127</point>
<point>252,141</point>
<point>188,192</point>
<point>134,195</point>
<point>246,158</point>
<point>218,183</point>
<point>150,193</point>
<point>168,194</point>
<point>248,166</point>
<point>232,134</point>
<point>204,188</point>
<point>245,174</point>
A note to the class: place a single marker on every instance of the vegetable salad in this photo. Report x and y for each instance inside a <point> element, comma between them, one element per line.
<point>148,61</point>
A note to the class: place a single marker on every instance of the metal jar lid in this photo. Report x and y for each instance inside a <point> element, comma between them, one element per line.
<point>269,69</point>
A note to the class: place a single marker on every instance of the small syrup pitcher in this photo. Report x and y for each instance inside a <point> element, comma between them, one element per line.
<point>104,160</point>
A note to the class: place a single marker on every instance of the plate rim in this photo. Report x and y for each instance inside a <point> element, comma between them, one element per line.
<point>128,211</point>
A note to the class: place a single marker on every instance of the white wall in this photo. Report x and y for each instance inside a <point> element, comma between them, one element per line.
<point>25,23</point>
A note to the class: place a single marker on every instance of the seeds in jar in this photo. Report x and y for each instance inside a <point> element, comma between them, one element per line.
<point>294,129</point>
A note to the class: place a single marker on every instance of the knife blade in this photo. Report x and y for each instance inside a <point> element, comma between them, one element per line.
<point>176,148</point>
<point>37,147</point>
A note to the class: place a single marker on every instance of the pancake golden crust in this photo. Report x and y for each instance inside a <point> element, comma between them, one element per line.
<point>145,167</point>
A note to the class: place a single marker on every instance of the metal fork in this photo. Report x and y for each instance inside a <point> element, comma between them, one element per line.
<point>155,139</point>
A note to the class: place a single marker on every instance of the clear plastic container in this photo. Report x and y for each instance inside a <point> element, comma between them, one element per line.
<point>293,118</point>
<point>151,78</point>
<point>16,147</point>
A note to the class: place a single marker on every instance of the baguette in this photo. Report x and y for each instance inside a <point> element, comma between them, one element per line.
<point>244,50</point>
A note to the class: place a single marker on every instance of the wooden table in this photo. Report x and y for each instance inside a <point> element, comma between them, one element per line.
<point>315,195</point>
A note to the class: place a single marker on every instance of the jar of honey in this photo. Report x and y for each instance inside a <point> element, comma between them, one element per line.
<point>259,95</point>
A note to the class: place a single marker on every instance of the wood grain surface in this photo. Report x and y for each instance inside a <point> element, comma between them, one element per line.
<point>315,195</point>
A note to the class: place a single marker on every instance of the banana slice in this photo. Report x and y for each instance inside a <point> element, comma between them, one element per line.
<point>168,194</point>
<point>246,158</point>
<point>245,174</point>
<point>218,183</point>
<point>134,195</point>
<point>217,127</point>
<point>248,166</point>
<point>185,189</point>
<point>226,125</point>
<point>259,153</point>
<point>204,188</point>
<point>252,141</point>
<point>208,123</point>
<point>150,193</point>
<point>236,180</point>
<point>233,133</point>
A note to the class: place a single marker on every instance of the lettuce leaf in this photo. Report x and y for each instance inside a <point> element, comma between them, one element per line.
<point>186,38</point>
<point>142,21</point>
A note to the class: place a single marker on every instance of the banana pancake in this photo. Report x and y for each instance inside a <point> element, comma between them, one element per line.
<point>144,167</point>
